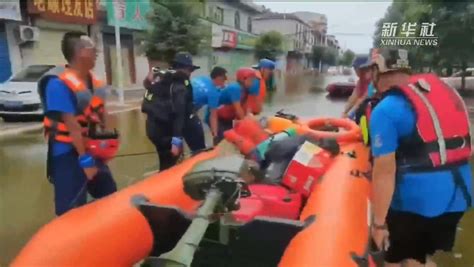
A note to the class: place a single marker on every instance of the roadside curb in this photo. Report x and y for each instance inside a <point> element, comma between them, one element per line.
<point>24,129</point>
<point>4,134</point>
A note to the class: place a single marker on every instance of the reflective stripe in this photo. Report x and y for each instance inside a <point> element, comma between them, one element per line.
<point>89,105</point>
<point>363,125</point>
<point>466,112</point>
<point>436,123</point>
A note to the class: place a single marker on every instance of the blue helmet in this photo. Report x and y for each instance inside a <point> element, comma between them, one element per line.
<point>266,63</point>
<point>361,62</point>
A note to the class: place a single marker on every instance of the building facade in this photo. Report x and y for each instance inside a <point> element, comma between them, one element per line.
<point>31,33</point>
<point>10,16</point>
<point>233,33</point>
<point>318,23</point>
<point>297,33</point>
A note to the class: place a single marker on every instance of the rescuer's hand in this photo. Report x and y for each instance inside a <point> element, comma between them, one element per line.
<point>87,163</point>
<point>380,237</point>
<point>175,150</point>
<point>176,146</point>
<point>91,172</point>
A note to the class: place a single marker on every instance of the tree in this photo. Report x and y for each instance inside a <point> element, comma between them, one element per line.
<point>330,56</point>
<point>347,58</point>
<point>269,45</point>
<point>317,54</point>
<point>173,29</point>
<point>454,30</point>
<point>327,55</point>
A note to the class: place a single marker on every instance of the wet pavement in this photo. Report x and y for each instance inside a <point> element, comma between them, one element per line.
<point>26,197</point>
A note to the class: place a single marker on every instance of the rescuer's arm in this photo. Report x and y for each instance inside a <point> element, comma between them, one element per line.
<point>213,122</point>
<point>75,132</point>
<point>239,111</point>
<point>213,104</point>
<point>179,98</point>
<point>384,143</point>
<point>350,103</point>
<point>60,104</point>
<point>383,186</point>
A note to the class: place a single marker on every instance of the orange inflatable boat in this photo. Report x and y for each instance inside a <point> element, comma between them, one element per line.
<point>205,203</point>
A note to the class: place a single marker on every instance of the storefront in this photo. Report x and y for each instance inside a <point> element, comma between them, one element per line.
<point>52,20</point>
<point>9,11</point>
<point>232,49</point>
<point>131,17</point>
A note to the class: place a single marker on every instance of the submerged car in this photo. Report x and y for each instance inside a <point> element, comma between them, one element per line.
<point>19,96</point>
<point>341,89</point>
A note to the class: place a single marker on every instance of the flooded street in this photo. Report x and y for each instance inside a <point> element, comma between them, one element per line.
<point>26,197</point>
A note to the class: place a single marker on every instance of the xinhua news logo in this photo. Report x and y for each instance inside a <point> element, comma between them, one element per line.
<point>409,34</point>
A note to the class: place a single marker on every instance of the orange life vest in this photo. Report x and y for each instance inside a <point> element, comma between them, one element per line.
<point>90,103</point>
<point>246,135</point>
<point>254,101</point>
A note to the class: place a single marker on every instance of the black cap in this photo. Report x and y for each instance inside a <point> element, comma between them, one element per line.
<point>184,59</point>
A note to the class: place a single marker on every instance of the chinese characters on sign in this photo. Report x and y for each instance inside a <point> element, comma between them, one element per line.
<point>68,11</point>
<point>408,34</point>
<point>229,38</point>
<point>129,14</point>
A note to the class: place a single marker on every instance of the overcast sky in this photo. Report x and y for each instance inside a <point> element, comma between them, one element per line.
<point>344,18</point>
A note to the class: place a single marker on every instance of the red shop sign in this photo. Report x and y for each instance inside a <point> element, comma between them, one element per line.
<point>229,39</point>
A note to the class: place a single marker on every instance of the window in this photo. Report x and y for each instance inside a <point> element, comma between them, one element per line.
<point>237,20</point>
<point>219,15</point>
<point>249,24</point>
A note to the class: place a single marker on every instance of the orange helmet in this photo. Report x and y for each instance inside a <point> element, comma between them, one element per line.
<point>244,73</point>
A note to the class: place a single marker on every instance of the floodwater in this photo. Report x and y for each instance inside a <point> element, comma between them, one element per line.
<point>26,197</point>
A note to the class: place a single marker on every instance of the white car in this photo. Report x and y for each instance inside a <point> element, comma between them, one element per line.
<point>455,80</point>
<point>19,95</point>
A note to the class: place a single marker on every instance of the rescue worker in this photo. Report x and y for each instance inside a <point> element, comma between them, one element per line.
<point>234,100</point>
<point>361,67</point>
<point>73,99</point>
<point>263,82</point>
<point>421,144</point>
<point>206,92</point>
<point>168,104</point>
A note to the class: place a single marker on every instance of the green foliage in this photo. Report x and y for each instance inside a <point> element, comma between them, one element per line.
<point>269,45</point>
<point>174,28</point>
<point>347,58</point>
<point>317,54</point>
<point>327,55</point>
<point>454,29</point>
<point>330,56</point>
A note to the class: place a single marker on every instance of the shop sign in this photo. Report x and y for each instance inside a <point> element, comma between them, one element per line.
<point>129,14</point>
<point>229,39</point>
<point>10,10</point>
<point>67,11</point>
<point>246,41</point>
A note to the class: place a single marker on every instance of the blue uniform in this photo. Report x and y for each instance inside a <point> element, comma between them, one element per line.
<point>60,99</point>
<point>70,181</point>
<point>205,93</point>
<point>233,93</point>
<point>428,194</point>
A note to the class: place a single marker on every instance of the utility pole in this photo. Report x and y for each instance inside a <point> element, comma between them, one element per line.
<point>118,46</point>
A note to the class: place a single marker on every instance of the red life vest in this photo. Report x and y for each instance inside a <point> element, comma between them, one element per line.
<point>227,112</point>
<point>442,136</point>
